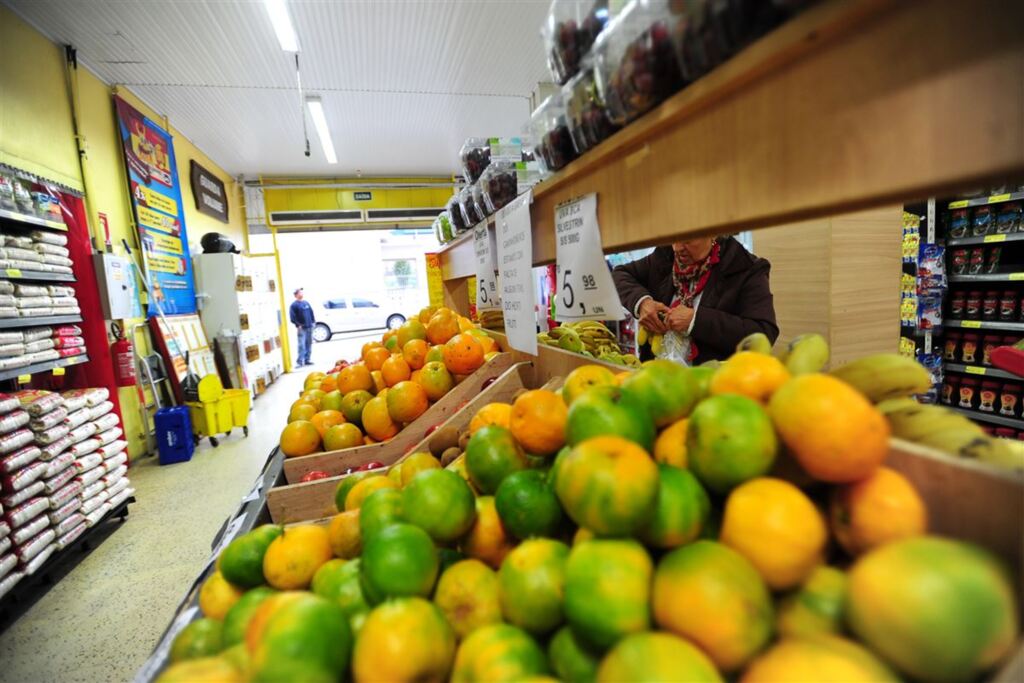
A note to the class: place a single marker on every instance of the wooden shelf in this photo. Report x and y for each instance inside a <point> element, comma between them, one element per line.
<point>984,325</point>
<point>33,221</point>
<point>982,371</point>
<point>828,114</point>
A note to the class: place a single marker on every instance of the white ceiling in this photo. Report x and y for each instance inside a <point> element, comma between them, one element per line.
<point>403,82</point>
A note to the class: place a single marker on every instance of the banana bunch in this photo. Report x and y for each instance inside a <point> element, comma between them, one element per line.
<point>589,338</point>
<point>885,376</point>
<point>492,319</point>
<point>946,430</point>
<point>803,355</point>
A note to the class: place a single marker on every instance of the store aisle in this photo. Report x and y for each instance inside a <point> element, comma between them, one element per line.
<point>103,619</point>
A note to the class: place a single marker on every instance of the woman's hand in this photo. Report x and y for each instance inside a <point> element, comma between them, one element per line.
<point>650,318</point>
<point>679,319</point>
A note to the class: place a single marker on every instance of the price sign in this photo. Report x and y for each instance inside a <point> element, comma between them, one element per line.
<point>515,259</point>
<point>974,324</point>
<point>24,379</point>
<point>13,272</point>
<point>584,288</point>
<point>974,370</point>
<point>487,296</point>
<point>994,238</point>
<point>58,372</point>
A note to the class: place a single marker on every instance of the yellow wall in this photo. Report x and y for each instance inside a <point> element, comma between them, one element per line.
<point>37,135</point>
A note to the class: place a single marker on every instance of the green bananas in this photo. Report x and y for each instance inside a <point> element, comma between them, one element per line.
<point>757,342</point>
<point>806,354</point>
<point>884,376</point>
<point>589,338</point>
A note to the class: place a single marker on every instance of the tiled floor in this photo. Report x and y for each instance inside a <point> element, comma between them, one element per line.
<point>103,619</point>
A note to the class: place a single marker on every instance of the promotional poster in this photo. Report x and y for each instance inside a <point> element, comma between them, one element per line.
<point>156,200</point>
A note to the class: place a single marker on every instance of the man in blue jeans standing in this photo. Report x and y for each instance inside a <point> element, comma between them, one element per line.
<point>301,314</point>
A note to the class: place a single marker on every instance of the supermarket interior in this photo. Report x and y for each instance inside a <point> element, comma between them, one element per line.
<point>511,340</point>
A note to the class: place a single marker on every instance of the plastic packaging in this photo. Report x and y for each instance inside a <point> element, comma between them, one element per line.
<point>471,213</point>
<point>24,533</point>
<point>499,185</point>
<point>66,525</point>
<point>6,287</point>
<point>56,516</point>
<point>15,440</point>
<point>5,545</point>
<point>52,249</point>
<point>51,451</point>
<point>476,156</point>
<point>8,561</point>
<point>19,458</point>
<point>16,481</point>
<point>47,237</point>
<point>635,61</point>
<point>31,291</point>
<point>30,566</point>
<point>10,581</point>
<point>71,535</point>
<point>110,436</point>
<point>16,419</point>
<point>87,462</point>
<point>115,461</point>
<point>91,476</point>
<point>38,401</point>
<point>67,353</point>
<point>112,448</point>
<point>85,447</point>
<point>106,422</point>
<point>63,330</point>
<point>8,403</point>
<point>116,474</point>
<point>59,480</point>
<point>77,417</point>
<point>66,493</point>
<point>25,512</point>
<point>5,528</point>
<point>14,498</point>
<point>64,342</point>
<point>90,506</point>
<point>18,254</point>
<point>34,333</point>
<point>551,131</point>
<point>118,485</point>
<point>93,397</point>
<point>585,110</point>
<point>49,420</point>
<point>455,215</point>
<point>82,432</point>
<point>568,33</point>
<point>120,497</point>
<point>55,433</point>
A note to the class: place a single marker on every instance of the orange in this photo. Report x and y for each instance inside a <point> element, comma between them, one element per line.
<point>823,658</point>
<point>407,639</point>
<point>835,433</point>
<point>355,377</point>
<point>362,490</point>
<point>435,380</point>
<point>391,344</point>
<point>406,401</point>
<point>300,438</point>
<point>367,347</point>
<point>751,374</point>
<point>443,326</point>
<point>415,352</point>
<point>583,378</point>
<point>777,528</point>
<point>487,539</point>
<point>395,370</point>
<point>369,440</point>
<point>313,396</point>
<point>670,446</point>
<point>538,421</point>
<point>343,534</point>
<point>486,340</point>
<point>326,419</point>
<point>416,463</point>
<point>301,410</point>
<point>313,380</point>
<point>435,353</point>
<point>491,414</point>
<point>378,382</point>
<point>217,596</point>
<point>266,609</point>
<point>344,435</point>
<point>293,557</point>
<point>467,593</point>
<point>411,329</point>
<point>375,357</point>
<point>425,313</point>
<point>329,383</point>
<point>881,508</point>
<point>465,324</point>
<point>463,354</point>
<point>415,375</point>
<point>376,421</point>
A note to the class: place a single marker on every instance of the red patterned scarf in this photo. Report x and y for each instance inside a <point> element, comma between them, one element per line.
<point>689,280</point>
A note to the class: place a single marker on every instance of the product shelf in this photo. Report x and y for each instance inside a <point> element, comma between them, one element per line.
<point>992,418</point>
<point>983,371</point>
<point>43,367</point>
<point>18,274</point>
<point>16,323</point>
<point>985,201</point>
<point>988,277</point>
<point>984,325</point>
<point>33,221</point>
<point>986,239</point>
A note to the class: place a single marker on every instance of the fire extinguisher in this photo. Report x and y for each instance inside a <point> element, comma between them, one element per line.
<point>124,359</point>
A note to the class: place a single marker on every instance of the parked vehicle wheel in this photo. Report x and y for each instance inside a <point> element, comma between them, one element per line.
<point>321,333</point>
<point>394,321</point>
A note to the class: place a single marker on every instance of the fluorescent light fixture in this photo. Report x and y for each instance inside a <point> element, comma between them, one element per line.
<point>282,23</point>
<point>316,112</point>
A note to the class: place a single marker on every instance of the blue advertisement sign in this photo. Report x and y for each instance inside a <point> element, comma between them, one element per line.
<point>159,215</point>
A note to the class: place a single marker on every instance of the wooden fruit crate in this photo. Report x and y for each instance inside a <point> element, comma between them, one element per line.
<point>388,452</point>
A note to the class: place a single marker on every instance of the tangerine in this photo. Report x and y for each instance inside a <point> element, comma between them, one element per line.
<point>491,414</point>
<point>293,557</point>
<point>332,400</point>
<point>435,380</point>
<point>329,383</point>
<point>486,340</point>
<point>326,419</point>
<point>343,435</point>
<point>301,410</point>
<point>416,463</point>
<point>395,370</point>
<point>362,490</point>
<point>467,593</point>
<point>583,378</point>
<point>415,352</point>
<point>487,540</point>
<point>426,313</point>
<point>670,445</point>
<point>881,508</point>
<point>344,536</point>
<point>463,354</point>
<point>404,640</point>
<point>751,374</point>
<point>312,380</point>
<point>658,657</point>
<point>378,382</point>
<point>355,378</point>
<point>299,438</point>
<point>377,421</point>
<point>538,421</point>
<point>364,352</point>
<point>410,329</point>
<point>375,358</point>
<point>313,396</point>
<point>406,401</point>
<point>435,353</point>
<point>443,325</point>
<point>824,658</point>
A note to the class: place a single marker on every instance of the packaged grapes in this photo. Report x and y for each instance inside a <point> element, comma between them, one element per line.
<point>476,156</point>
<point>568,33</point>
<point>551,131</point>
<point>499,184</point>
<point>585,110</point>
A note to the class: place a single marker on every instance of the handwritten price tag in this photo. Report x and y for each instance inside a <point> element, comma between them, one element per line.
<point>585,287</point>
<point>487,296</point>
<point>515,259</point>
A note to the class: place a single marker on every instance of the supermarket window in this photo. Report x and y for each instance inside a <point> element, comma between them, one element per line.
<point>363,303</point>
<point>335,303</point>
<point>400,274</point>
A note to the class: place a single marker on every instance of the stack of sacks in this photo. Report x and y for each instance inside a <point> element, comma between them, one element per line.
<point>28,481</point>
<point>68,340</point>
<point>100,453</point>
<point>37,301</point>
<point>18,252</point>
<point>19,348</point>
<point>52,247</point>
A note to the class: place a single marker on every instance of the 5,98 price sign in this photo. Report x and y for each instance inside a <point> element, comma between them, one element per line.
<point>584,290</point>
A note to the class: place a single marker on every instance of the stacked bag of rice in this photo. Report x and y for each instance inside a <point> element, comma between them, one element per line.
<point>40,251</point>
<point>63,467</point>
<point>20,348</point>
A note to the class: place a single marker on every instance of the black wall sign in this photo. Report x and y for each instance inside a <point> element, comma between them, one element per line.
<point>209,193</point>
<point>363,196</point>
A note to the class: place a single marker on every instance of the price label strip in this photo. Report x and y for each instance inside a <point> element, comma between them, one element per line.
<point>585,290</point>
<point>514,241</point>
<point>487,296</point>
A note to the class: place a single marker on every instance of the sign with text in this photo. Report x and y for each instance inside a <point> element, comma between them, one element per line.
<point>487,296</point>
<point>515,260</point>
<point>584,287</point>
<point>208,190</point>
<point>362,196</point>
<point>159,215</point>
